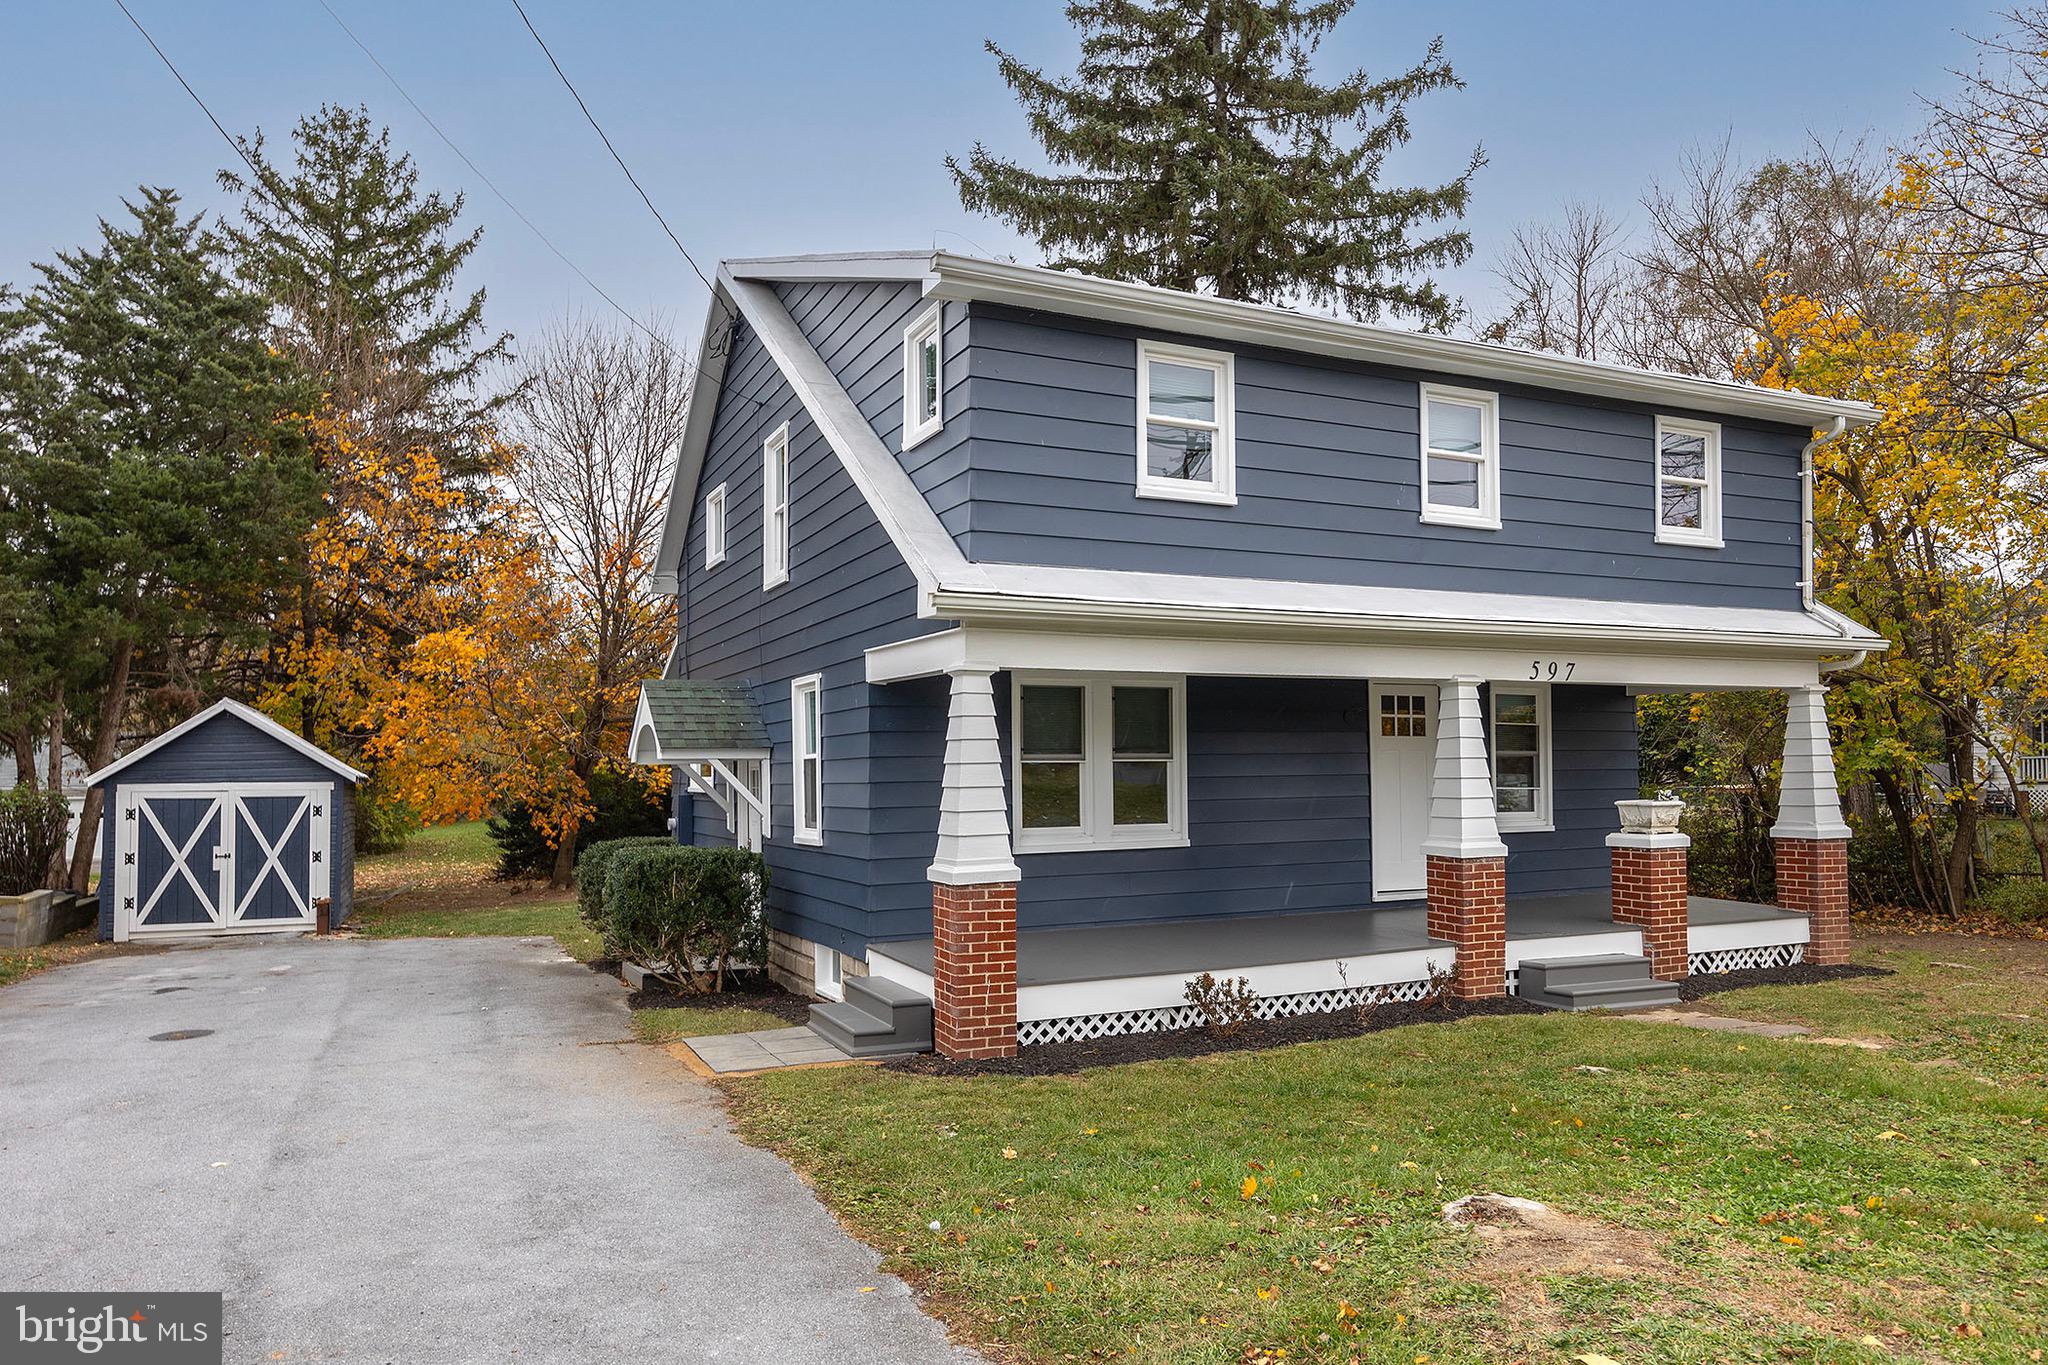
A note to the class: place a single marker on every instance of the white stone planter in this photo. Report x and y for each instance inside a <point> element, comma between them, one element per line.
<point>1649,817</point>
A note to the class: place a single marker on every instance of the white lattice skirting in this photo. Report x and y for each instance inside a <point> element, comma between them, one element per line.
<point>1739,959</point>
<point>1083,1027</point>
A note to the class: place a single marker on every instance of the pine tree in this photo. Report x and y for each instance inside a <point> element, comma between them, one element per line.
<point>1206,155</point>
<point>362,268</point>
<point>156,473</point>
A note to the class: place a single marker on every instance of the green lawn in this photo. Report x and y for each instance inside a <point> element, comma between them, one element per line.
<point>691,1021</point>
<point>440,886</point>
<point>516,921</point>
<point>1784,1200</point>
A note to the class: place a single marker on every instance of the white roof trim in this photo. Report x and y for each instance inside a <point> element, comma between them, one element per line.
<point>1027,593</point>
<point>843,266</point>
<point>248,714</point>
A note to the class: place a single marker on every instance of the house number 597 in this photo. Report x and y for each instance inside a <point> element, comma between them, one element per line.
<point>1551,670</point>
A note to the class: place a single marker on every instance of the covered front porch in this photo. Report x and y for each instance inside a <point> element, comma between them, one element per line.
<point>1095,981</point>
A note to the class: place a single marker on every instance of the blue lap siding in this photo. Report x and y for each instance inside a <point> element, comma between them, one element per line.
<point>224,751</point>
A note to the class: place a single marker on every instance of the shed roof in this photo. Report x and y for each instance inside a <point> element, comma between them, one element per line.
<point>687,719</point>
<point>249,715</point>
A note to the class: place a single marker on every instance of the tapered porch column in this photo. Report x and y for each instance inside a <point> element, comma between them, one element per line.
<point>1467,862</point>
<point>974,885</point>
<point>1810,839</point>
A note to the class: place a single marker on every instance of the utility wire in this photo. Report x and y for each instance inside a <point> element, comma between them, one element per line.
<point>592,118</point>
<point>491,185</point>
<point>226,136</point>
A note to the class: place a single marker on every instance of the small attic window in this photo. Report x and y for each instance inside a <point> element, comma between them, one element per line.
<point>924,379</point>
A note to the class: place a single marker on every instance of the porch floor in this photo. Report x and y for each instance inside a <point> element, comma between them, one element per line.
<point>1184,947</point>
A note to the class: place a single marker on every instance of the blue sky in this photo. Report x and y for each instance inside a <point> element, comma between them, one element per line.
<point>773,126</point>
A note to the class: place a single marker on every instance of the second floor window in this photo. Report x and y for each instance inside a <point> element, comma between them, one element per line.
<point>775,508</point>
<point>1688,482</point>
<point>1186,419</point>
<point>714,527</point>
<point>1460,457</point>
<point>924,379</point>
<point>807,742</point>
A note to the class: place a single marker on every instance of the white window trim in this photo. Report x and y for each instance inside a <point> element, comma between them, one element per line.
<point>807,826</point>
<point>1221,487</point>
<point>1486,516</point>
<point>774,529</point>
<point>916,427</point>
<point>714,527</point>
<point>1708,536</point>
<point>1543,819</point>
<point>828,973</point>
<point>1097,831</point>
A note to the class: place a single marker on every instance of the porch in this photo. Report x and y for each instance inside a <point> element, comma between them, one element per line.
<point>1094,981</point>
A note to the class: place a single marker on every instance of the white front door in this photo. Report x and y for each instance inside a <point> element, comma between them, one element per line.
<point>1403,720</point>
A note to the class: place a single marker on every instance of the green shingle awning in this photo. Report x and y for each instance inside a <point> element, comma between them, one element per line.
<point>685,720</point>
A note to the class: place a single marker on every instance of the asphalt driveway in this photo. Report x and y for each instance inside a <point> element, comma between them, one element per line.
<point>411,1150</point>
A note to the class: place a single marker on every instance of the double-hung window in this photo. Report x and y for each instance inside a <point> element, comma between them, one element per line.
<point>807,744</point>
<point>1187,439</point>
<point>1688,482</point>
<point>1520,718</point>
<point>1460,457</point>
<point>1099,763</point>
<point>775,508</point>
<point>714,527</point>
<point>924,379</point>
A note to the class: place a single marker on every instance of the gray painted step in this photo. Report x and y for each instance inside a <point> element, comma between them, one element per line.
<point>879,1020</point>
<point>1608,981</point>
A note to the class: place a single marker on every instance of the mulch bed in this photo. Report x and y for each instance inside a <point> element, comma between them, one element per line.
<point>1061,1059</point>
<point>772,1000</point>
<point>1798,974</point>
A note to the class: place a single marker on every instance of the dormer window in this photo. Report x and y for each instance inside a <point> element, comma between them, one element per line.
<point>1460,457</point>
<point>1186,424</point>
<point>1688,483</point>
<point>924,379</point>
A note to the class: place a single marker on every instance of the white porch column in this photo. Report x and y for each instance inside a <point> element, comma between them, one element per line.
<point>1466,860</point>
<point>1811,840</point>
<point>974,884</point>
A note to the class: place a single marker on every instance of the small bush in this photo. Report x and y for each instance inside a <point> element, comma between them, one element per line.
<point>2018,900</point>
<point>592,867</point>
<point>692,912</point>
<point>1226,1006</point>
<point>626,805</point>
<point>32,828</point>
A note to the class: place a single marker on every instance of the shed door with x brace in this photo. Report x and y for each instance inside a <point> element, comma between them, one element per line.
<point>247,857</point>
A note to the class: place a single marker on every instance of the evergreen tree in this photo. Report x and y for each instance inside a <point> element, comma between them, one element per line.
<point>1206,155</point>
<point>363,268</point>
<point>155,467</point>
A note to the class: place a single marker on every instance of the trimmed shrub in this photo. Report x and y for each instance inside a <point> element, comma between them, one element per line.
<point>592,866</point>
<point>693,912</point>
<point>32,828</point>
<point>626,805</point>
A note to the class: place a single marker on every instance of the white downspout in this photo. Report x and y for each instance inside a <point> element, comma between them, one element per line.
<point>1806,566</point>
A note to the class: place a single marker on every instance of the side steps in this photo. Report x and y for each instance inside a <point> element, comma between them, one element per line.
<point>878,1018</point>
<point>1609,981</point>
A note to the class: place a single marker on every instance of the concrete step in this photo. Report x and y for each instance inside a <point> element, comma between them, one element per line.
<point>908,1012</point>
<point>857,1033</point>
<point>1589,970</point>
<point>1608,981</point>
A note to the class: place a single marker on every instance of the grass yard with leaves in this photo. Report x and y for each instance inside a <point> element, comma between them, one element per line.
<point>689,1021</point>
<point>440,885</point>
<point>1742,1198</point>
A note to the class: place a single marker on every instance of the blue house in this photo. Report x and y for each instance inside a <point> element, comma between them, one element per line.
<point>1058,639</point>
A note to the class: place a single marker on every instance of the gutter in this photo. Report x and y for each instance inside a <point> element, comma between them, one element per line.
<point>1808,574</point>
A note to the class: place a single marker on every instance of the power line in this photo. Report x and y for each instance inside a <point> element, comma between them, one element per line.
<point>592,118</point>
<point>226,136</point>
<point>491,185</point>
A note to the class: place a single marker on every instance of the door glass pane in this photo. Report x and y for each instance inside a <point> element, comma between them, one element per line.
<point>1179,453</point>
<point>1454,427</point>
<point>1051,795</point>
<point>1144,720</point>
<point>1453,483</point>
<point>1184,391</point>
<point>1684,454</point>
<point>1051,721</point>
<point>1139,791</point>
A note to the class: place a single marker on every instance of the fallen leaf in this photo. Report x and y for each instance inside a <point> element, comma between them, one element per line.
<point>1248,1188</point>
<point>1009,1153</point>
<point>867,1289</point>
